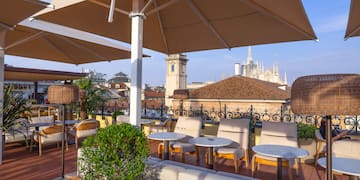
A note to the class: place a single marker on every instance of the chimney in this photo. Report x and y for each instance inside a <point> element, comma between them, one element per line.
<point>237,69</point>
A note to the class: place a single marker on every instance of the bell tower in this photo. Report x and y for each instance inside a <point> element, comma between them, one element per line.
<point>175,75</point>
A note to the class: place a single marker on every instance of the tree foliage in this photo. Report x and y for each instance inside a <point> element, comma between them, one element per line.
<point>14,107</point>
<point>94,95</point>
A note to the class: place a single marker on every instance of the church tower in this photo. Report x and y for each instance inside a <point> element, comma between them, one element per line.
<point>176,76</point>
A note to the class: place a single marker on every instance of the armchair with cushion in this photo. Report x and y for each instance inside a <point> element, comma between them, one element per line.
<point>280,134</point>
<point>84,129</point>
<point>320,145</point>
<point>191,127</point>
<point>163,126</point>
<point>236,130</point>
<point>122,119</point>
<point>48,135</point>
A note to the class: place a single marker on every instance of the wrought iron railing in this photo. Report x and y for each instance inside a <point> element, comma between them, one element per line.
<point>280,115</point>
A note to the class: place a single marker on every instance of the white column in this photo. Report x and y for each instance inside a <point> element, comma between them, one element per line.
<point>136,67</point>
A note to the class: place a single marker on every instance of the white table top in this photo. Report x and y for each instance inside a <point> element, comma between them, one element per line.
<point>166,136</point>
<point>343,165</point>
<point>210,141</point>
<point>280,151</point>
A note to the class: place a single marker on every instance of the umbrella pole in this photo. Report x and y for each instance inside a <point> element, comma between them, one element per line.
<point>62,143</point>
<point>137,19</point>
<point>328,148</point>
<point>2,55</point>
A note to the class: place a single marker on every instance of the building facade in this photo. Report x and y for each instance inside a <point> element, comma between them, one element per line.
<point>257,70</point>
<point>233,95</point>
<point>176,75</point>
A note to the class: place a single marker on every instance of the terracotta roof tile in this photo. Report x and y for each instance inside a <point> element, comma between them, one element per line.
<point>239,87</point>
<point>152,94</point>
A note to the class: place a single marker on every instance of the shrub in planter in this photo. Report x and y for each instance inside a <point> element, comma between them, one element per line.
<point>306,131</point>
<point>306,139</point>
<point>116,152</point>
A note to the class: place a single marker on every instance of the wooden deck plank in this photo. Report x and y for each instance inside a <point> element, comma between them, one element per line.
<point>19,163</point>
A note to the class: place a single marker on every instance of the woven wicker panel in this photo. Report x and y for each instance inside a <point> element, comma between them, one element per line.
<point>332,94</point>
<point>63,94</point>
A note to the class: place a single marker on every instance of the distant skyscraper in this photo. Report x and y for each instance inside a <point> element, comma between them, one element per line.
<point>257,71</point>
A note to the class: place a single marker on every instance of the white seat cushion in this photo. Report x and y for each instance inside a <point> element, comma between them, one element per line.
<point>49,138</point>
<point>228,150</point>
<point>185,147</point>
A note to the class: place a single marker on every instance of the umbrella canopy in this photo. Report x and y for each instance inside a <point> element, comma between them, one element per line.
<point>34,75</point>
<point>184,26</point>
<point>23,10</point>
<point>174,26</point>
<point>353,26</point>
<point>34,43</point>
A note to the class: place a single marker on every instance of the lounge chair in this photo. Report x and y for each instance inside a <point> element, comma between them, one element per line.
<point>236,130</point>
<point>191,127</point>
<point>84,129</point>
<point>49,135</point>
<point>278,134</point>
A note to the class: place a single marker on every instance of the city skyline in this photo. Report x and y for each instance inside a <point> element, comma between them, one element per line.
<point>330,55</point>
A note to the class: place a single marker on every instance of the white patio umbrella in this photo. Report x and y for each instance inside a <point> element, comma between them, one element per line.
<point>174,26</point>
<point>8,20</point>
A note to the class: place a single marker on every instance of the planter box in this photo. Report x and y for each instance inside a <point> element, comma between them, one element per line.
<point>309,145</point>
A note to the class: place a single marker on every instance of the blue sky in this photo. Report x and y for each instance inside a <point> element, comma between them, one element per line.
<point>330,55</point>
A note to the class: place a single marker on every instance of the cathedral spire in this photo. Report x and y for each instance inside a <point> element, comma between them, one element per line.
<point>285,79</point>
<point>249,58</point>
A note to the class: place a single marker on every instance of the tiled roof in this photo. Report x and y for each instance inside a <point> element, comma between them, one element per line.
<point>152,104</point>
<point>239,87</point>
<point>152,94</point>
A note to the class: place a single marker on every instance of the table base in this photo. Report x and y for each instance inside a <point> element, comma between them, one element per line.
<point>211,158</point>
<point>279,168</point>
<point>166,151</point>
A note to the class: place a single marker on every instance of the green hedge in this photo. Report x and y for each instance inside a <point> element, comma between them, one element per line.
<point>116,152</point>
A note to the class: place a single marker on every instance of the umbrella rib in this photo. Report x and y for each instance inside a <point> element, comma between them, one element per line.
<point>34,36</point>
<point>146,6</point>
<point>57,48</point>
<point>108,6</point>
<point>42,3</point>
<point>267,12</point>
<point>82,47</point>
<point>161,28</point>
<point>6,26</point>
<point>207,23</point>
<point>161,7</point>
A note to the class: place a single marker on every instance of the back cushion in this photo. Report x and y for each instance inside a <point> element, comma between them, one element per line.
<point>347,149</point>
<point>123,119</point>
<point>190,126</point>
<point>279,133</point>
<point>236,130</point>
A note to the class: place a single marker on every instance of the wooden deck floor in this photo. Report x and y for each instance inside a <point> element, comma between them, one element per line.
<point>19,163</point>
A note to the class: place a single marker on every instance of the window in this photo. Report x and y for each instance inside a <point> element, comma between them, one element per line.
<point>172,67</point>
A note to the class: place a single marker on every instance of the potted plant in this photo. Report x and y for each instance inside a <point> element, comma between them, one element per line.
<point>14,107</point>
<point>116,152</point>
<point>306,139</point>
